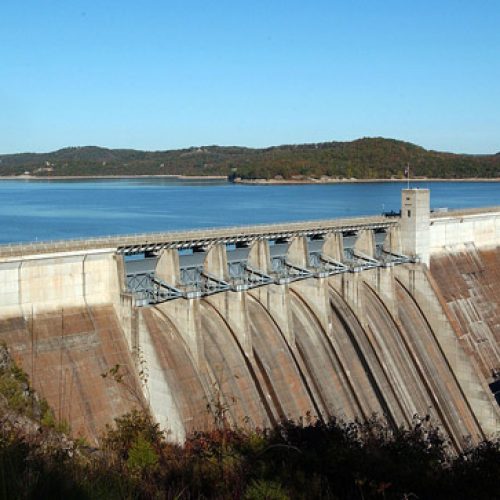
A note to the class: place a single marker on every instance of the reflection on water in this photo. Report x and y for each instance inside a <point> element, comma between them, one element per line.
<point>43,210</point>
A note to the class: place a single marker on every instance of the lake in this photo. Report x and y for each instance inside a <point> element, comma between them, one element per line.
<point>33,210</point>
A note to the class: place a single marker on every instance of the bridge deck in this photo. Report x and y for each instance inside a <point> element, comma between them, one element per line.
<point>138,243</point>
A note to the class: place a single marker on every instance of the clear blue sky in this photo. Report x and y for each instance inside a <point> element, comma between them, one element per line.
<point>171,74</point>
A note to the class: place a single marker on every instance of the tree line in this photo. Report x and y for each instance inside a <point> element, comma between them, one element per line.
<point>368,158</point>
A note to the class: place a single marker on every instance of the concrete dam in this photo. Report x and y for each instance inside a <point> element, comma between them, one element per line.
<point>398,316</point>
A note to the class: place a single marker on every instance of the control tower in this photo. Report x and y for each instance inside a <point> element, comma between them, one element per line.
<point>415,223</point>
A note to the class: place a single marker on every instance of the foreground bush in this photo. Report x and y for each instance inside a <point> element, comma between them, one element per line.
<point>306,459</point>
<point>295,460</point>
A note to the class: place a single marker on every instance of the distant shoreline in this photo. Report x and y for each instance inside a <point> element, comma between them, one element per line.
<point>84,177</point>
<point>259,182</point>
<point>265,182</point>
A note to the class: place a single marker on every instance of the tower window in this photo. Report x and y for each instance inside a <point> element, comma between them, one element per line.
<point>409,213</point>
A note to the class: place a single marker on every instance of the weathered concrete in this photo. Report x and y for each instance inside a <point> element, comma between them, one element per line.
<point>259,257</point>
<point>348,345</point>
<point>186,317</point>
<point>392,243</point>
<point>167,267</point>
<point>468,285</point>
<point>234,309</point>
<point>449,232</point>
<point>216,262</point>
<point>79,360</point>
<point>333,247</point>
<point>365,244</point>
<point>50,282</point>
<point>298,254</point>
<point>397,341</point>
<point>471,382</point>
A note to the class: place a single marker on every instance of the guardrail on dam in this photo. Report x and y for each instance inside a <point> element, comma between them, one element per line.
<point>154,242</point>
<point>397,316</point>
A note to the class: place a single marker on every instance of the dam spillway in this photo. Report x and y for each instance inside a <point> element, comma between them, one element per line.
<point>393,316</point>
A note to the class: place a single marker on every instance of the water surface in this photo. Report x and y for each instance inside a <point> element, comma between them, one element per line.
<point>33,210</point>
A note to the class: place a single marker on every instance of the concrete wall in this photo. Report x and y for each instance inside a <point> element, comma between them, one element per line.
<point>468,284</point>
<point>422,235</point>
<point>54,281</point>
<point>63,321</point>
<point>451,233</point>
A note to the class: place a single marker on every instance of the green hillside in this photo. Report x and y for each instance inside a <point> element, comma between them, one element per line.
<point>366,158</point>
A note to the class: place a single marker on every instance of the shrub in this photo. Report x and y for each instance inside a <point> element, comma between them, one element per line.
<point>141,456</point>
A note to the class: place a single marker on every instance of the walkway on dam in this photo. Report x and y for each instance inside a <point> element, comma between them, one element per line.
<point>146,242</point>
<point>153,242</point>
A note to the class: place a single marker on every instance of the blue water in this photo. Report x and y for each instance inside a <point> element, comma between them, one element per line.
<point>45,210</point>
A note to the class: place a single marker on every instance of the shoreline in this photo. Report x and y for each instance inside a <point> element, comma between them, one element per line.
<point>277,182</point>
<point>260,182</point>
<point>86,177</point>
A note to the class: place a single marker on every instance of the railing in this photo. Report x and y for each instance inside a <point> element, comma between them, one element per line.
<point>185,239</point>
<point>136,243</point>
<point>195,282</point>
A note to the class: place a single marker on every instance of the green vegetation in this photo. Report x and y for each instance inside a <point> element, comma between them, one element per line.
<point>309,459</point>
<point>306,460</point>
<point>16,395</point>
<point>367,158</point>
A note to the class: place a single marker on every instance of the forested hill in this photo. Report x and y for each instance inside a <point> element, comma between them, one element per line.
<point>366,158</point>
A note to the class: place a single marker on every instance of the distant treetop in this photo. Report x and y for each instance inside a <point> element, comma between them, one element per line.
<point>366,158</point>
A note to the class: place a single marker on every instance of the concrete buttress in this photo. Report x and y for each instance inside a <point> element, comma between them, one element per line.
<point>216,262</point>
<point>315,294</point>
<point>231,305</point>
<point>167,267</point>
<point>275,298</point>
<point>381,279</point>
<point>392,242</point>
<point>157,390</point>
<point>333,247</point>
<point>259,257</point>
<point>477,394</point>
<point>297,253</point>
<point>186,316</point>
<point>350,287</point>
<point>365,244</point>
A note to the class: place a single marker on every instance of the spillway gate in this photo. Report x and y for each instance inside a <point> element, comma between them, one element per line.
<point>194,277</point>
